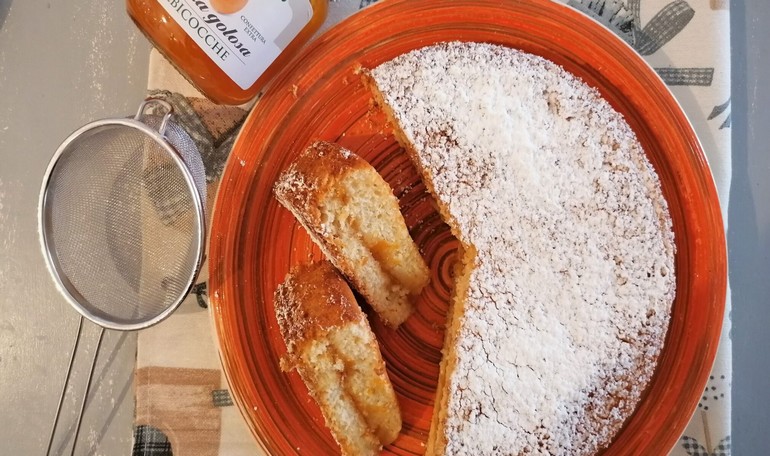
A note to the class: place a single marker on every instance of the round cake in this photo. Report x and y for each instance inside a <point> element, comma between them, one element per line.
<point>565,286</point>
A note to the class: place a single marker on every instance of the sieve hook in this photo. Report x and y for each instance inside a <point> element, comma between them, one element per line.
<point>166,117</point>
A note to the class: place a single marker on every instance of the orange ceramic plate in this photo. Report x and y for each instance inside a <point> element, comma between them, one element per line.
<point>255,241</point>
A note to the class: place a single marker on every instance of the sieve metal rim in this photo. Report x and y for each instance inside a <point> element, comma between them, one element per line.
<point>63,285</point>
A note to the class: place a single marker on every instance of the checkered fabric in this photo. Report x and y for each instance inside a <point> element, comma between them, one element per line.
<point>149,441</point>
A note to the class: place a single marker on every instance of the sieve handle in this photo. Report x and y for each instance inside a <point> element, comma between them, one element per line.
<point>85,393</point>
<point>156,101</point>
<point>64,388</point>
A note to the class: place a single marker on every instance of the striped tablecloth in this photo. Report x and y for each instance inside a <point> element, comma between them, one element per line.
<point>182,403</point>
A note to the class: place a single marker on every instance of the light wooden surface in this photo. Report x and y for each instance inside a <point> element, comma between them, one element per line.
<point>62,64</point>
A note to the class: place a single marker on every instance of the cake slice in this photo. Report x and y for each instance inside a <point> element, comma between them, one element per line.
<point>329,342</point>
<point>351,213</point>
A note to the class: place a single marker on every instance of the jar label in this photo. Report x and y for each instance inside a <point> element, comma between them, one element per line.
<point>243,37</point>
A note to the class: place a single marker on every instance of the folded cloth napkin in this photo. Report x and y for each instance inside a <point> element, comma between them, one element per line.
<point>182,403</point>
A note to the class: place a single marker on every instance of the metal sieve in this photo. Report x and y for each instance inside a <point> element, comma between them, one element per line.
<point>122,223</point>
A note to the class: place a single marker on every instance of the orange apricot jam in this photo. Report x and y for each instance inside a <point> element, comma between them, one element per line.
<point>228,49</point>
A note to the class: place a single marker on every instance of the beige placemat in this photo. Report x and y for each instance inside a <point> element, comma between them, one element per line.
<point>182,403</point>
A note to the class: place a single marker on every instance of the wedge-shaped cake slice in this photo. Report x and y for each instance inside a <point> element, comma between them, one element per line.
<point>351,213</point>
<point>329,342</point>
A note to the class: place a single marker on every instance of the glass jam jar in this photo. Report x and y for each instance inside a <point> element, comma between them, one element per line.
<point>228,49</point>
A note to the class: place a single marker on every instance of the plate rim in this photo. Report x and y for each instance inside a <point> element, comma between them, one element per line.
<point>696,150</point>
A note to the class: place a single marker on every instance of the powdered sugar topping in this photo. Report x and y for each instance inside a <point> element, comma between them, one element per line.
<point>570,294</point>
